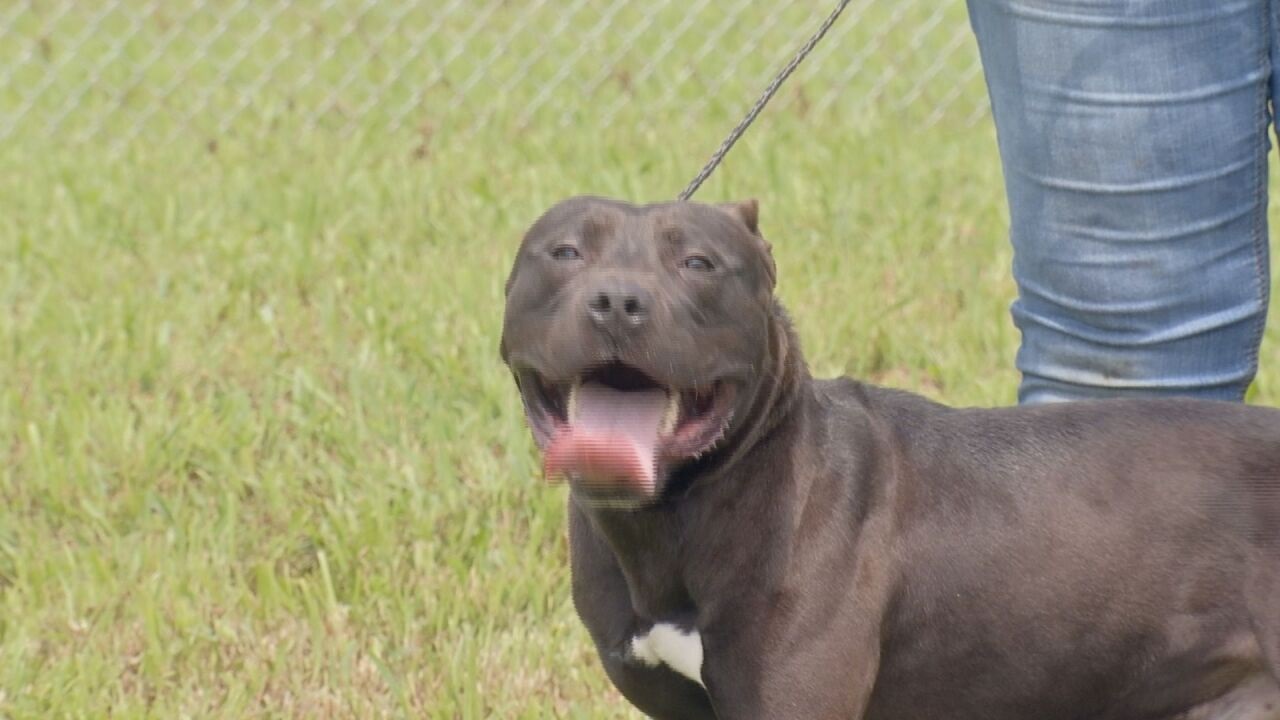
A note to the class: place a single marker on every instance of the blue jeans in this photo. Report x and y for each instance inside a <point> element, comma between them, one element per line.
<point>1133,135</point>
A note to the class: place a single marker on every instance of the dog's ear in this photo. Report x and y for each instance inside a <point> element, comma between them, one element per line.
<point>748,211</point>
<point>770,265</point>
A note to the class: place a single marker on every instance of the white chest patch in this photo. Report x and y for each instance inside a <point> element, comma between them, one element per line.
<point>667,644</point>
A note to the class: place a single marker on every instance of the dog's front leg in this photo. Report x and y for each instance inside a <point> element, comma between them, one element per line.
<point>828,676</point>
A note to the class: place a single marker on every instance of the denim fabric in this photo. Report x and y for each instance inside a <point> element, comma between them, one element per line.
<point>1133,135</point>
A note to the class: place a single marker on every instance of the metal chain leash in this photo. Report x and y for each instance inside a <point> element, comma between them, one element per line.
<point>764,99</point>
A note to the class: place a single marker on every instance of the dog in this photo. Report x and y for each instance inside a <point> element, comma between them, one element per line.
<point>749,542</point>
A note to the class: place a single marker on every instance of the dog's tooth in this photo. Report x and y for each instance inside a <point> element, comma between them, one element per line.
<point>571,411</point>
<point>672,414</point>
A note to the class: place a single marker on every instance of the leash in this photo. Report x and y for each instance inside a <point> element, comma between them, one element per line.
<point>764,99</point>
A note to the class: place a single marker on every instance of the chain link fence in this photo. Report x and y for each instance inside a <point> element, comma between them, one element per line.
<point>160,71</point>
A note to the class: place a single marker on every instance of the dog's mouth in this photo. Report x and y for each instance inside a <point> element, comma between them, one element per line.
<point>615,432</point>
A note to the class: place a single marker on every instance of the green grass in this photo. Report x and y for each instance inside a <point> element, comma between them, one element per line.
<point>258,456</point>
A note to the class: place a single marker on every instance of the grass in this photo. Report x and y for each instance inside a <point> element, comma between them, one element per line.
<point>258,456</point>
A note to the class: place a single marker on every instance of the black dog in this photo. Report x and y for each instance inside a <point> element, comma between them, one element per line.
<point>748,542</point>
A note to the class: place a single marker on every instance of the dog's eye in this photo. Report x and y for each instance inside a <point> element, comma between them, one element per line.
<point>565,252</point>
<point>698,262</point>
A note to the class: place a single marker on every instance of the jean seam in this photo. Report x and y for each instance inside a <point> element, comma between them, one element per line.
<point>1260,240</point>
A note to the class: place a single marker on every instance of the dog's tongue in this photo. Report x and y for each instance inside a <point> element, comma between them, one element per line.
<point>611,438</point>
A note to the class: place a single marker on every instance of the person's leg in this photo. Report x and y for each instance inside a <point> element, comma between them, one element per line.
<point>1133,135</point>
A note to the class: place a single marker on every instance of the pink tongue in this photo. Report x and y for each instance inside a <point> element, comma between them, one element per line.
<point>612,439</point>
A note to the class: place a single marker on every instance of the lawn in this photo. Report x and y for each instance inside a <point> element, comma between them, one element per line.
<point>258,455</point>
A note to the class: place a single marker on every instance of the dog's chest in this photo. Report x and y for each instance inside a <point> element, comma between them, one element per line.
<point>668,644</point>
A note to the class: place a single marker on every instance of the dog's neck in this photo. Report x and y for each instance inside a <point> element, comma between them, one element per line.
<point>661,547</point>
<point>776,396</point>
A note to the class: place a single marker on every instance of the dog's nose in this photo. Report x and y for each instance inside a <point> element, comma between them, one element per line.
<point>618,306</point>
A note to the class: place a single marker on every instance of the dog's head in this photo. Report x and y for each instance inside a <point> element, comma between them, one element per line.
<point>638,336</point>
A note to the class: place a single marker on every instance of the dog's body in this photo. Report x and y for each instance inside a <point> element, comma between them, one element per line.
<point>839,550</point>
